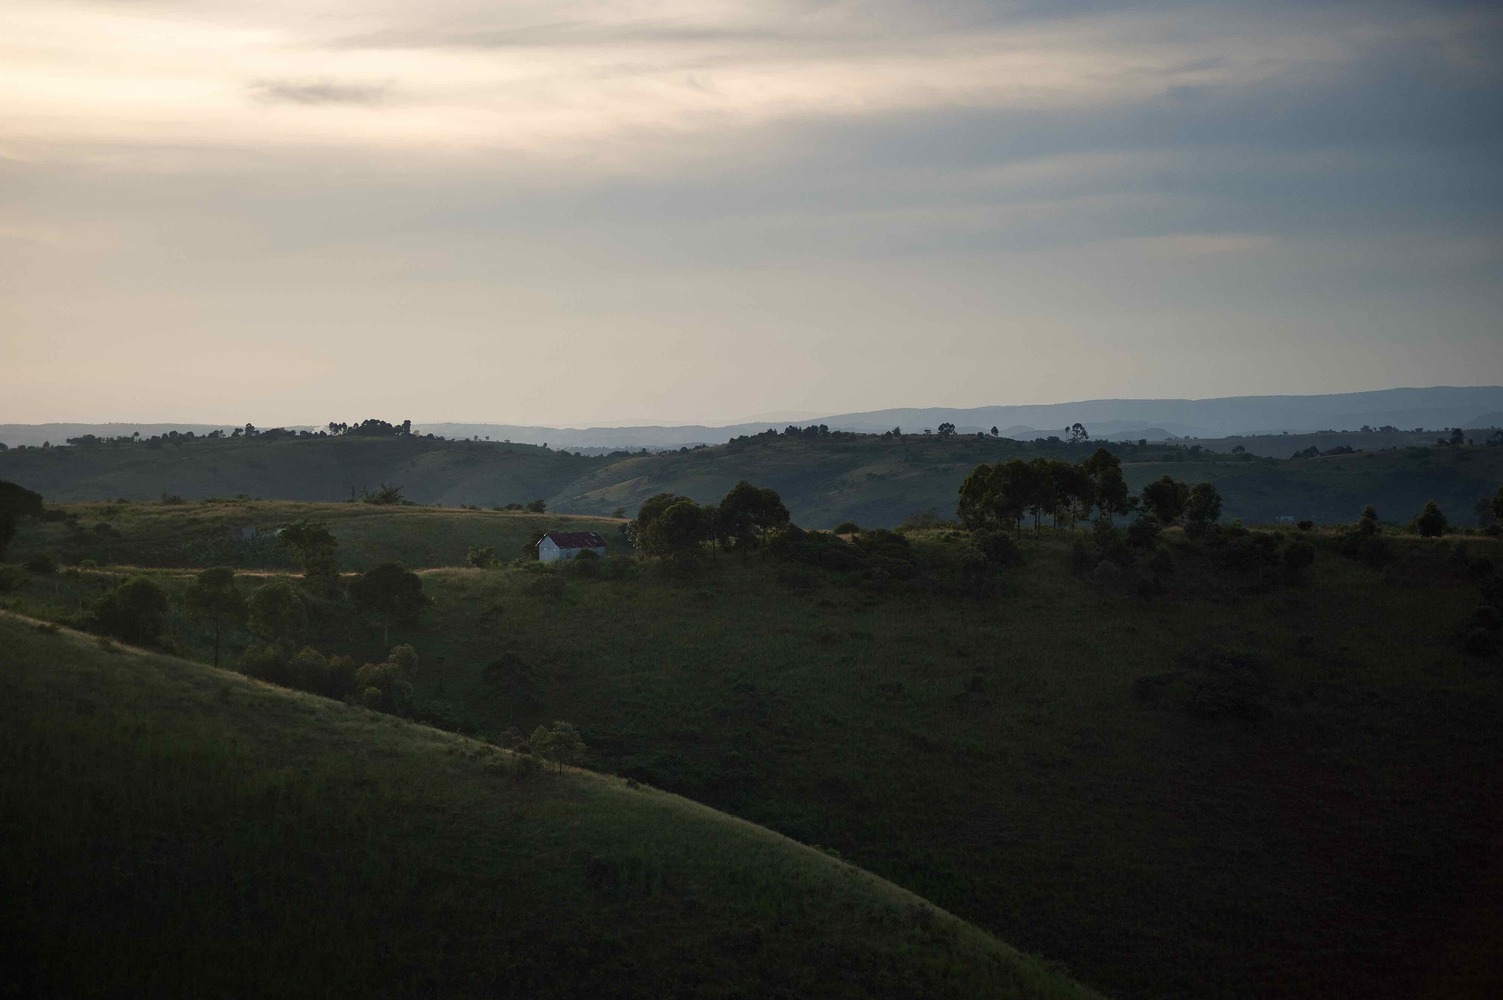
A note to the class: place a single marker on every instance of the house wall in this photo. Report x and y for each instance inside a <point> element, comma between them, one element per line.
<point>548,551</point>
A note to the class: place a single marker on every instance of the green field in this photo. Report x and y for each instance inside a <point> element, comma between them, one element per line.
<point>1056,763</point>
<point>873,481</point>
<point>212,533</point>
<point>175,830</point>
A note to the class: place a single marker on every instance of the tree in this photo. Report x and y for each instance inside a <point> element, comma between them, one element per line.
<point>537,506</point>
<point>1110,488</point>
<point>314,546</point>
<point>946,430</point>
<point>16,502</point>
<point>135,611</point>
<point>1166,498</point>
<point>1078,434</point>
<point>995,496</point>
<point>389,593</point>
<point>1202,507</point>
<point>1430,522</point>
<point>1367,523</point>
<point>1498,506</point>
<point>994,430</point>
<point>681,530</point>
<point>276,614</point>
<point>748,513</point>
<point>559,744</point>
<point>640,530</point>
<point>213,598</point>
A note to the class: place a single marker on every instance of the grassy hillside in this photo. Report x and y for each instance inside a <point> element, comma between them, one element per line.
<point>175,830</point>
<point>823,481</point>
<point>1251,786</point>
<point>321,469</point>
<point>209,533</point>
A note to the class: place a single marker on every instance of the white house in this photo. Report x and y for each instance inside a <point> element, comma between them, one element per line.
<point>556,545</point>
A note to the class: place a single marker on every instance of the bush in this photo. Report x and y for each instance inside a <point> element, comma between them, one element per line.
<point>135,611</point>
<point>998,547</point>
<point>1082,559</point>
<point>977,573</point>
<point>265,662</point>
<point>481,557</point>
<point>1430,522</point>
<point>1143,532</point>
<point>1299,556</point>
<point>308,670</point>
<point>1306,525</point>
<point>847,528</point>
<point>41,565</point>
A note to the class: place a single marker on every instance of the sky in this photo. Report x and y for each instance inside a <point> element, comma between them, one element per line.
<point>660,211</point>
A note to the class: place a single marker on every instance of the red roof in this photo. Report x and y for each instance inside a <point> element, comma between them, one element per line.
<point>575,539</point>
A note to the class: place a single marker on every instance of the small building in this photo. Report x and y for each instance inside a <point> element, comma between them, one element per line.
<point>556,545</point>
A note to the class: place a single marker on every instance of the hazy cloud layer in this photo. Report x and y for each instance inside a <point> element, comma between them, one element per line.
<point>579,212</point>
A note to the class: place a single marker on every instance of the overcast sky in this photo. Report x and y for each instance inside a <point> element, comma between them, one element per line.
<point>578,211</point>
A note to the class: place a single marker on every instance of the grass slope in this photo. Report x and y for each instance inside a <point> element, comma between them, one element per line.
<point>207,533</point>
<point>174,830</point>
<point>872,481</point>
<point>328,469</point>
<point>999,757</point>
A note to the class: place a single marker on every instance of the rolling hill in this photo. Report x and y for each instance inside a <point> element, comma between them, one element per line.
<point>176,830</point>
<point>1313,813</point>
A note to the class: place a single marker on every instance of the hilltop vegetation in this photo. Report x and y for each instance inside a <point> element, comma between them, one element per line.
<point>823,478</point>
<point>175,830</point>
<point>1243,764</point>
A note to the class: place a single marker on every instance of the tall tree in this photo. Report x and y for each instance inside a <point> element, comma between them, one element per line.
<point>276,614</point>
<point>1166,497</point>
<point>1110,488</point>
<point>748,513</point>
<point>314,546</point>
<point>389,593</point>
<point>213,598</point>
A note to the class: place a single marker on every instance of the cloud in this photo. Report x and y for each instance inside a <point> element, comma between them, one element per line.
<point>316,92</point>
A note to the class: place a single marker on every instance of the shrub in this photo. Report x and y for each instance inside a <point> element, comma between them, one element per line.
<point>1430,522</point>
<point>308,670</point>
<point>42,565</point>
<point>998,547</point>
<point>1082,560</point>
<point>265,662</point>
<point>1480,642</point>
<point>978,577</point>
<point>1306,525</point>
<point>1300,555</point>
<point>847,528</point>
<point>1162,562</point>
<point>1143,532</point>
<point>135,611</point>
<point>481,557</point>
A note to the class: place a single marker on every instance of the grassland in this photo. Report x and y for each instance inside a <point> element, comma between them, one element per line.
<point>1008,758</point>
<point>211,533</point>
<point>175,830</point>
<point>874,481</point>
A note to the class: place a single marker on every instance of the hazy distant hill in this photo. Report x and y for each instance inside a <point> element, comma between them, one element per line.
<point>1442,406</point>
<point>1112,419</point>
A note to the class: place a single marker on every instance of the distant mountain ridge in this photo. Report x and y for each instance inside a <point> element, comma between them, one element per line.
<point>1406,408</point>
